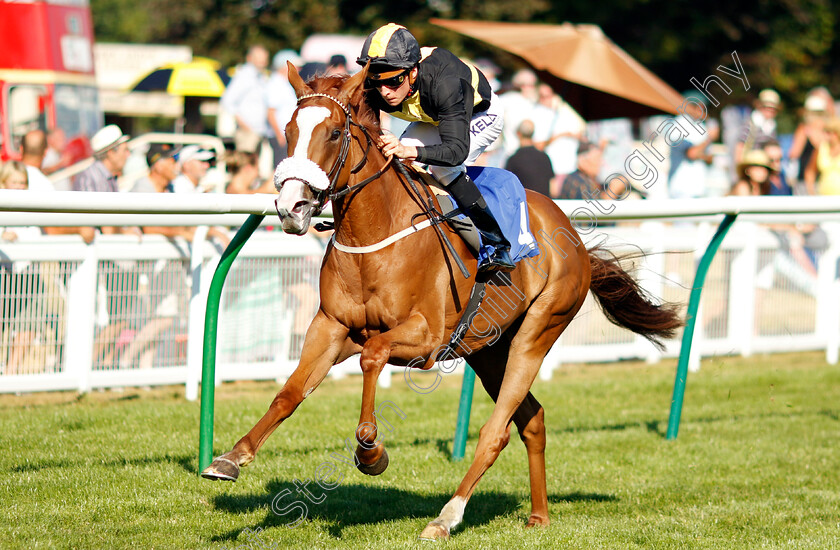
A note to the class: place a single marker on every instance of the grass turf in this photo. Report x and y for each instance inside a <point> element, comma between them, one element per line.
<point>755,465</point>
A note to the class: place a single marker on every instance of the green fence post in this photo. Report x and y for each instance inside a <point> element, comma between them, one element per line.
<point>464,406</point>
<point>211,322</point>
<point>690,318</point>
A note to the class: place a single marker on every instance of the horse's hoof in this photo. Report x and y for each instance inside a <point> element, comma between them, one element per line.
<point>434,531</point>
<point>221,469</point>
<point>537,521</point>
<point>377,467</point>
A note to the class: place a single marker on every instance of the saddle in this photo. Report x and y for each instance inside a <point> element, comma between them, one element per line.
<point>505,197</point>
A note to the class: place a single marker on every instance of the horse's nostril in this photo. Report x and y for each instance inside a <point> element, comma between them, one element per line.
<point>299,206</point>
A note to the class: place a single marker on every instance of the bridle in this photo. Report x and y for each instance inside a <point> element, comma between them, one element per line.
<point>329,194</point>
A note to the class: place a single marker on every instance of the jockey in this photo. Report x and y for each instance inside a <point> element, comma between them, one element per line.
<point>454,117</point>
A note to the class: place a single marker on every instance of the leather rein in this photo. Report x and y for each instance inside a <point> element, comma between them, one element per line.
<point>435,217</point>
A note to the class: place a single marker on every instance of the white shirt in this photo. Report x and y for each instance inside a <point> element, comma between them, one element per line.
<point>280,95</point>
<point>37,180</point>
<point>183,184</point>
<point>689,180</point>
<point>245,97</point>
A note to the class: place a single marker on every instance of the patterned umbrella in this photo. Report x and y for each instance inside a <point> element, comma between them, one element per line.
<point>201,77</point>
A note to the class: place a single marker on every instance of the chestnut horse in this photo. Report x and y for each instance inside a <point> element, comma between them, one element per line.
<point>400,303</point>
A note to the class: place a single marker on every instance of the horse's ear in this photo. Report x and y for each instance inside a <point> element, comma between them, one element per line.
<point>297,82</point>
<point>352,84</point>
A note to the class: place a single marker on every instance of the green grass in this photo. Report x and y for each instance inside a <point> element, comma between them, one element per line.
<point>756,465</point>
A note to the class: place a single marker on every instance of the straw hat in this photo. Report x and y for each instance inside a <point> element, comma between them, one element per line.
<point>769,98</point>
<point>755,157</point>
<point>107,138</point>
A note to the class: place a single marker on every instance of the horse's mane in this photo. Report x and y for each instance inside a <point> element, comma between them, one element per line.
<point>332,84</point>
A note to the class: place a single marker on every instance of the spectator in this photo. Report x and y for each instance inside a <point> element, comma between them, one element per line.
<point>244,98</point>
<point>57,157</point>
<point>491,71</point>
<point>826,163</point>
<point>583,183</point>
<point>690,158</point>
<point>194,163</point>
<point>33,149</point>
<point>28,293</point>
<point>337,65</point>
<point>312,69</point>
<point>809,134</point>
<point>529,164</point>
<point>753,174</point>
<point>778,184</point>
<point>518,104</point>
<point>245,175</point>
<point>830,107</point>
<point>558,131</point>
<point>281,101</point>
<point>13,175</point>
<point>110,152</point>
<point>761,124</point>
<point>162,170</point>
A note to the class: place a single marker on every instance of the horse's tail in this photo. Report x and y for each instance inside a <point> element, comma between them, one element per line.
<point>625,303</point>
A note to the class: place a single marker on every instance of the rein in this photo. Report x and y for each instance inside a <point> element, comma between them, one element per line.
<point>435,218</point>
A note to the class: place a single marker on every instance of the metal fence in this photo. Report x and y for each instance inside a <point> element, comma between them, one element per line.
<point>129,312</point>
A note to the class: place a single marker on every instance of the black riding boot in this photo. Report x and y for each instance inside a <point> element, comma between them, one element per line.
<point>469,199</point>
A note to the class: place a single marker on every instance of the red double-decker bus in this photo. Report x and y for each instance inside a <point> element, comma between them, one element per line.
<point>47,73</point>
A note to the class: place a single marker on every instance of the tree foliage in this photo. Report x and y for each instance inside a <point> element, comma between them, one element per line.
<point>790,45</point>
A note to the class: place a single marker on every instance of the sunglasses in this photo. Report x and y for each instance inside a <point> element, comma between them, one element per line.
<point>393,82</point>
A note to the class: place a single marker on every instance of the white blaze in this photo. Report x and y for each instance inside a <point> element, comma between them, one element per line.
<point>307,119</point>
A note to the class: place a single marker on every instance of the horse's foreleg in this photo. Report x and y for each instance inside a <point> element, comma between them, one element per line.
<point>323,347</point>
<point>408,340</point>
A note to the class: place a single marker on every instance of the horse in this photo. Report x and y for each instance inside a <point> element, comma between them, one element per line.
<point>400,303</point>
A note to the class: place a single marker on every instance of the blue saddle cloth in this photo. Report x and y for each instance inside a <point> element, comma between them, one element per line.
<point>505,198</point>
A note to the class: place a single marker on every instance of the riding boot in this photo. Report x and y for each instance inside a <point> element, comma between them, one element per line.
<point>469,199</point>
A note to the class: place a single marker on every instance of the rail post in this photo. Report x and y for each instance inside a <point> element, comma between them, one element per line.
<point>464,407</point>
<point>211,322</point>
<point>690,317</point>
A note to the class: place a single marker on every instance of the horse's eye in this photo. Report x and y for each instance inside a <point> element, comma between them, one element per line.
<point>335,134</point>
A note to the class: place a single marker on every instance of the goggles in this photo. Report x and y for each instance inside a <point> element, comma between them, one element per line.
<point>393,82</point>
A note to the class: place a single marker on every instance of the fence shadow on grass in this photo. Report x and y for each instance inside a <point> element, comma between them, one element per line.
<point>354,504</point>
<point>658,426</point>
<point>187,462</point>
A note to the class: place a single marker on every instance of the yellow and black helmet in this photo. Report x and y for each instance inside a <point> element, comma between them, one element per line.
<point>390,48</point>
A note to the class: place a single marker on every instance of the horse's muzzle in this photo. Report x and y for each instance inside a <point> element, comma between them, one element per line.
<point>295,221</point>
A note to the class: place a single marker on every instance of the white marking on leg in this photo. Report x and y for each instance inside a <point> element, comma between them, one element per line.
<point>452,513</point>
<point>308,119</point>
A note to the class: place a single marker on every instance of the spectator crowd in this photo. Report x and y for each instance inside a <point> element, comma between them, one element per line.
<point>548,145</point>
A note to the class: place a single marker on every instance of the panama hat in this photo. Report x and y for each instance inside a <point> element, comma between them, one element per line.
<point>769,98</point>
<point>755,157</point>
<point>107,138</point>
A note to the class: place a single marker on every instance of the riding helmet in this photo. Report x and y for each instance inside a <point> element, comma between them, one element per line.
<point>388,48</point>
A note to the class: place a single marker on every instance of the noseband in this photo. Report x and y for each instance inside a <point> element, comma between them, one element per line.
<point>324,195</point>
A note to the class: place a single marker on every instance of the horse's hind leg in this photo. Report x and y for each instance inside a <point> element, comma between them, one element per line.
<point>545,320</point>
<point>492,438</point>
<point>530,422</point>
<point>323,347</point>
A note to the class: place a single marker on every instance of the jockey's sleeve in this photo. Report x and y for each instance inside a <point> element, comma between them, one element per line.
<point>453,99</point>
